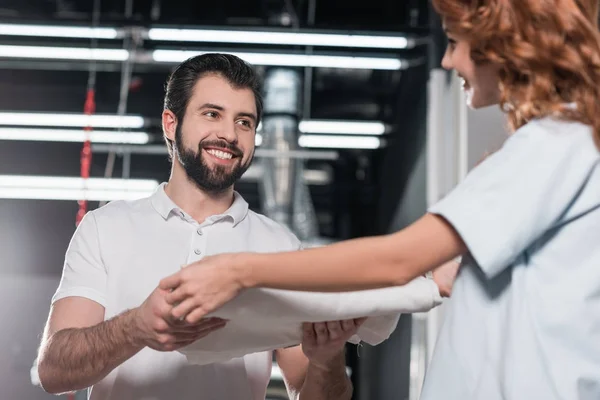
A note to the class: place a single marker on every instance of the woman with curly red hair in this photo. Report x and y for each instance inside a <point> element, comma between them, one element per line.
<point>524,318</point>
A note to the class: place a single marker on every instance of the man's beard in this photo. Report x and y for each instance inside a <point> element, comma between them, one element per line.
<point>216,179</point>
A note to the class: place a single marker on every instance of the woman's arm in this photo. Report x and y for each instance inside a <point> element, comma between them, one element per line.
<point>365,263</point>
<point>358,264</point>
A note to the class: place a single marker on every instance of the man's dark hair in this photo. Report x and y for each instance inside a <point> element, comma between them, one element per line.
<point>181,82</point>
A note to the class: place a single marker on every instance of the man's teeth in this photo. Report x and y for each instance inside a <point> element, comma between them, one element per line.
<point>220,154</point>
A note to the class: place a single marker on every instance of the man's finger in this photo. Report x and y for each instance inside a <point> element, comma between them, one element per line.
<point>309,337</point>
<point>213,327</point>
<point>192,337</point>
<point>186,337</point>
<point>184,327</point>
<point>321,333</point>
<point>335,330</point>
<point>207,321</point>
<point>348,325</point>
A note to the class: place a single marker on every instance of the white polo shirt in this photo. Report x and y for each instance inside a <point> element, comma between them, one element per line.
<point>523,322</point>
<point>117,257</point>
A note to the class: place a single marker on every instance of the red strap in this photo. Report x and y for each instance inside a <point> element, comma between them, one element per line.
<point>89,108</point>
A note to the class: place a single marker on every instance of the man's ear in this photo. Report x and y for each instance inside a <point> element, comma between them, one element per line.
<point>169,124</point>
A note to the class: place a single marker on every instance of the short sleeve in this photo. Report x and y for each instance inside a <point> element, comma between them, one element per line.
<point>294,242</point>
<point>520,192</point>
<point>291,241</point>
<point>84,274</point>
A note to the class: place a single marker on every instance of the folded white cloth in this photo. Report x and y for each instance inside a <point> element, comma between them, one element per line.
<point>269,319</point>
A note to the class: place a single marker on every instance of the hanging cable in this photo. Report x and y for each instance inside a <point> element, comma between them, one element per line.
<point>89,108</point>
<point>131,43</point>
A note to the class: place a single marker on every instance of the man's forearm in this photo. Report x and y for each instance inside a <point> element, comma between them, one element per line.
<point>74,359</point>
<point>331,383</point>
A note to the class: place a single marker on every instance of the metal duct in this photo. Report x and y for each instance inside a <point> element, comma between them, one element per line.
<point>304,219</point>
<point>284,195</point>
<point>280,133</point>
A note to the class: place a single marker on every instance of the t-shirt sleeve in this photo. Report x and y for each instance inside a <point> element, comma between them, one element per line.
<point>84,273</point>
<point>293,243</point>
<point>520,192</point>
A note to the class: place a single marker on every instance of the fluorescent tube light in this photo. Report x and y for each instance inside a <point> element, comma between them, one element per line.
<point>342,127</point>
<point>340,142</point>
<point>58,31</point>
<point>63,53</point>
<point>292,60</point>
<point>73,188</point>
<point>73,135</point>
<point>278,38</point>
<point>71,120</point>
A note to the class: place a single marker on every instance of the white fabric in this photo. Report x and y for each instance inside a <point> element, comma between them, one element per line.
<point>524,318</point>
<point>266,319</point>
<point>121,251</point>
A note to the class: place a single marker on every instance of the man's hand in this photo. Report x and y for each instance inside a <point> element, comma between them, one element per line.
<point>323,342</point>
<point>444,277</point>
<point>159,331</point>
<point>319,373</point>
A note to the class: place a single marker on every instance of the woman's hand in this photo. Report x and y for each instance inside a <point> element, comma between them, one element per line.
<point>202,287</point>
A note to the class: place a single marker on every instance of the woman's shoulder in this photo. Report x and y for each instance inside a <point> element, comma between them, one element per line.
<point>559,129</point>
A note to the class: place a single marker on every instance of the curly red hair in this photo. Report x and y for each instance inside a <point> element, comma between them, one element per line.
<point>548,52</point>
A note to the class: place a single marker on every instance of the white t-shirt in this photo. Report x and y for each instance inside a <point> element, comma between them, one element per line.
<point>118,255</point>
<point>523,322</point>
